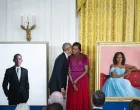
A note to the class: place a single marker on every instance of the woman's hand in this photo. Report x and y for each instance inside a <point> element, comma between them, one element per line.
<point>75,81</point>
<point>75,87</point>
<point>128,72</point>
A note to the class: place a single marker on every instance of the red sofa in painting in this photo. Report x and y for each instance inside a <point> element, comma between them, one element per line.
<point>134,78</point>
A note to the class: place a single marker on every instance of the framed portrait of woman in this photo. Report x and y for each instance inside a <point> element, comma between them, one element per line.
<point>118,70</point>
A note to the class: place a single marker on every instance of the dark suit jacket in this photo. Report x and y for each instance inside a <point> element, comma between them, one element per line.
<point>18,90</point>
<point>58,78</point>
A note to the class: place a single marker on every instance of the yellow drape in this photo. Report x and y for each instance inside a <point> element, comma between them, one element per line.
<point>80,3</point>
<point>107,20</point>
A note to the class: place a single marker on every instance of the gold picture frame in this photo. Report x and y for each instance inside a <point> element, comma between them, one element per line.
<point>98,66</point>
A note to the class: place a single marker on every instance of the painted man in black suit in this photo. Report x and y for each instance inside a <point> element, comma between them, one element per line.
<point>58,78</point>
<point>98,100</point>
<point>17,79</point>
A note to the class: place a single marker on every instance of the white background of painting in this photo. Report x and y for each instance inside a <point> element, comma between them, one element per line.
<point>34,59</point>
<point>132,55</point>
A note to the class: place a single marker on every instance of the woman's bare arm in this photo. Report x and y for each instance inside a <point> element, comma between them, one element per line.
<point>74,85</point>
<point>70,76</point>
<point>130,67</point>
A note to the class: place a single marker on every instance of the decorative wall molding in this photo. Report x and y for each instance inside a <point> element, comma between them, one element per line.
<point>55,21</point>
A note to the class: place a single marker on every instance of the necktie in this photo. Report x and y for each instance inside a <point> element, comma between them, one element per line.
<point>18,74</point>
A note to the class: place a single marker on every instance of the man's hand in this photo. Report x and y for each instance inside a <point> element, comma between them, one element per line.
<point>63,91</point>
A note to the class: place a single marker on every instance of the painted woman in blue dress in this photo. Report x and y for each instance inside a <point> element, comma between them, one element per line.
<point>116,85</point>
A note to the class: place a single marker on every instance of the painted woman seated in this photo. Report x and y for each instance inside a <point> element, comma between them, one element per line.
<point>116,85</point>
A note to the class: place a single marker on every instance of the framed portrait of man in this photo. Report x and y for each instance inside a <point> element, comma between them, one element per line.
<point>118,70</point>
<point>24,73</point>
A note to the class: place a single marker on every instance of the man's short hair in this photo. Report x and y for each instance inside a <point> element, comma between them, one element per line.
<point>15,56</point>
<point>134,105</point>
<point>66,46</point>
<point>98,98</point>
<point>56,97</point>
<point>54,106</point>
<point>22,106</point>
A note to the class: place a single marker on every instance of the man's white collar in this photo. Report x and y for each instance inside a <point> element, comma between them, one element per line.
<point>66,55</point>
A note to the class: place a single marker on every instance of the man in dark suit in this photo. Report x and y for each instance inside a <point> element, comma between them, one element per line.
<point>58,78</point>
<point>17,79</point>
<point>98,100</point>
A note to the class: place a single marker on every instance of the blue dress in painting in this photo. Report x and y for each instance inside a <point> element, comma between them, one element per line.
<point>119,87</point>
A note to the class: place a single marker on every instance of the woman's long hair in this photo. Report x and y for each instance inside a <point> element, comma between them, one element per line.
<point>115,58</point>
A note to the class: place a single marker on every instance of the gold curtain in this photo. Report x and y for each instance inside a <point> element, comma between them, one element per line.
<point>107,20</point>
<point>80,3</point>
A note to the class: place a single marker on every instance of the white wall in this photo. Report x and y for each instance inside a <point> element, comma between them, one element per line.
<point>55,20</point>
